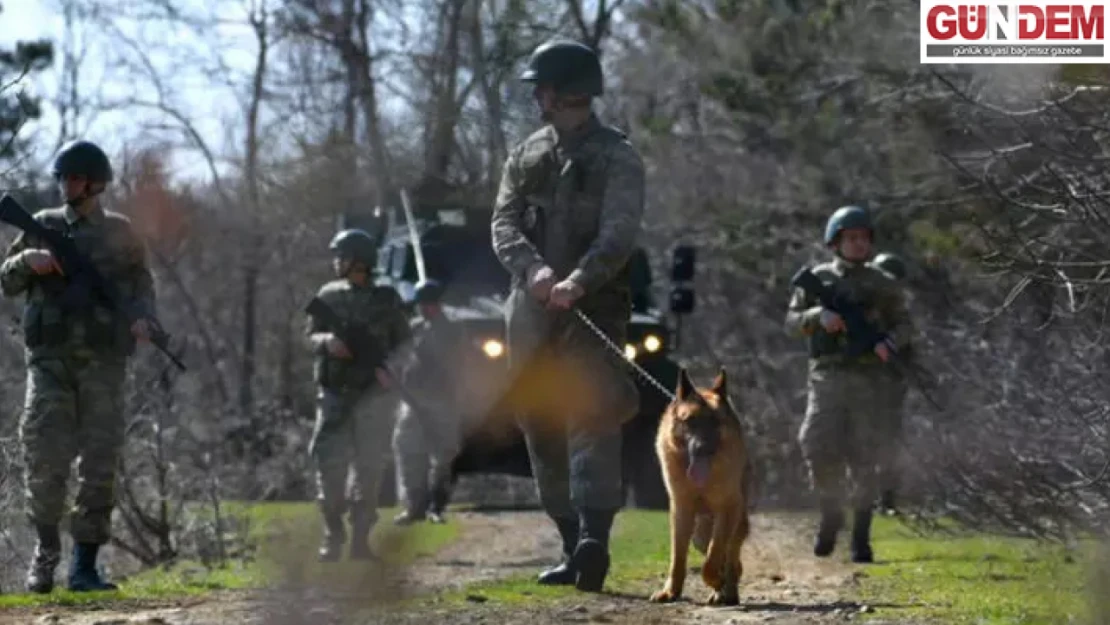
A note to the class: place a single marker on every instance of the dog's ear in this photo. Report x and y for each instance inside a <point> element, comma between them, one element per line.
<point>685,388</point>
<point>720,384</point>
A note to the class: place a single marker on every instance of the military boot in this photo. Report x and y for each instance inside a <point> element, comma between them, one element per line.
<point>83,576</point>
<point>416,505</point>
<point>362,523</point>
<point>48,552</point>
<point>591,555</point>
<point>440,495</point>
<point>832,518</point>
<point>886,502</point>
<point>564,573</point>
<point>335,534</point>
<point>861,536</point>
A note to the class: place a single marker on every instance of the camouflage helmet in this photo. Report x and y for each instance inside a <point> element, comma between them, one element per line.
<point>82,158</point>
<point>428,292</point>
<point>568,66</point>
<point>891,264</point>
<point>354,244</point>
<point>847,217</point>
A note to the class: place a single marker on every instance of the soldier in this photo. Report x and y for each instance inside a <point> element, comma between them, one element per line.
<point>896,399</point>
<point>76,363</point>
<point>841,427</point>
<point>430,433</point>
<point>355,410</point>
<point>565,223</point>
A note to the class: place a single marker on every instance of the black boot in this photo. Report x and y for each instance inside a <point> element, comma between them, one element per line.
<point>591,555</point>
<point>861,536</point>
<point>564,573</point>
<point>441,493</point>
<point>335,533</point>
<point>886,502</point>
<point>83,576</point>
<point>48,552</point>
<point>415,506</point>
<point>832,518</point>
<point>362,523</point>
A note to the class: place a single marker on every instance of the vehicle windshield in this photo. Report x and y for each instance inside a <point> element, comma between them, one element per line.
<point>466,262</point>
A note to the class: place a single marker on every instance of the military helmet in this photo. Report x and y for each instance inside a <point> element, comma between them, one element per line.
<point>82,158</point>
<point>428,292</point>
<point>354,244</point>
<point>844,218</point>
<point>568,66</point>
<point>891,264</point>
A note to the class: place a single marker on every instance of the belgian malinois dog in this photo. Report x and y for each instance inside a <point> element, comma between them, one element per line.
<point>706,468</point>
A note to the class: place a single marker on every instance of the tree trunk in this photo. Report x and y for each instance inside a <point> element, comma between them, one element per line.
<point>445,112</point>
<point>379,167</point>
<point>495,116</point>
<point>254,240</point>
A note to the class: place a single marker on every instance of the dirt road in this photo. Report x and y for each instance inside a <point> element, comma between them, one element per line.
<point>782,584</point>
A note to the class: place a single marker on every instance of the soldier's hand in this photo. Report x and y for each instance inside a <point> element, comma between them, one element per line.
<point>541,282</point>
<point>338,348</point>
<point>42,262</point>
<point>564,294</point>
<point>831,322</point>
<point>384,379</point>
<point>883,351</point>
<point>141,330</point>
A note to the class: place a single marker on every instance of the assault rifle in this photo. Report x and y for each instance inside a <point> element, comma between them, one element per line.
<point>83,280</point>
<point>365,350</point>
<point>862,335</point>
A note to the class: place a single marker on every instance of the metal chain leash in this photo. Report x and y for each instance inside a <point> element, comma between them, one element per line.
<point>613,347</point>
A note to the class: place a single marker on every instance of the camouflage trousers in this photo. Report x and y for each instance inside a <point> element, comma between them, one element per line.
<point>352,432</point>
<point>894,400</point>
<point>844,429</point>
<point>73,409</point>
<point>572,397</point>
<point>424,446</point>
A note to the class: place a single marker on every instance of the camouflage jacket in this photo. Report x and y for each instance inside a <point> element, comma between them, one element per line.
<point>907,351</point>
<point>881,298</point>
<point>439,359</point>
<point>574,202</point>
<point>111,243</point>
<point>373,312</point>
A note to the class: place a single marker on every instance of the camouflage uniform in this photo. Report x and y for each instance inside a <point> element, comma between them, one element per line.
<point>354,416</point>
<point>894,400</point>
<point>430,435</point>
<point>843,427</point>
<point>572,202</point>
<point>76,363</point>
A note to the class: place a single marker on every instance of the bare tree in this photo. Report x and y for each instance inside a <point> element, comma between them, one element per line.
<point>259,20</point>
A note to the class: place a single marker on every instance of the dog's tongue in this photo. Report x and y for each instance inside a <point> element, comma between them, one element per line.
<point>698,471</point>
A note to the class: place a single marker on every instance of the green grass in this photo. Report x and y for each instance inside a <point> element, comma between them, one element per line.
<point>961,579</point>
<point>952,580</point>
<point>975,579</point>
<point>286,538</point>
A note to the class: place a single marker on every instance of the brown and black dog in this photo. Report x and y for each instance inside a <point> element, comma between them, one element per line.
<point>707,471</point>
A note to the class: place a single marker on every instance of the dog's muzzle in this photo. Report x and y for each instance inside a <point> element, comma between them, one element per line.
<point>699,462</point>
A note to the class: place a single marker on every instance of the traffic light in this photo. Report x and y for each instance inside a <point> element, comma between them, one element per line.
<point>682,264</point>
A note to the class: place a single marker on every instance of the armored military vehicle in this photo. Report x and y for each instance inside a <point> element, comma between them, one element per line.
<point>456,250</point>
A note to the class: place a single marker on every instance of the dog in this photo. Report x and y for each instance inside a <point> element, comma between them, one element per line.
<point>707,472</point>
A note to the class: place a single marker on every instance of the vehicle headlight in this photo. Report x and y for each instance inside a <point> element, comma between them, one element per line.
<point>652,343</point>
<point>630,351</point>
<point>493,348</point>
